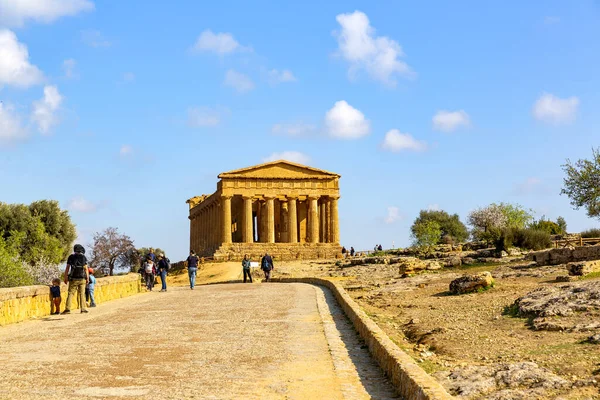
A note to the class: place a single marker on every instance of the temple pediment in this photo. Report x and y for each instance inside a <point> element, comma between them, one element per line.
<point>279,170</point>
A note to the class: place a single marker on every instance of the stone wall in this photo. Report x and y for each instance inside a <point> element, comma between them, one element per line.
<point>279,251</point>
<point>21,303</point>
<point>410,380</point>
<point>566,255</point>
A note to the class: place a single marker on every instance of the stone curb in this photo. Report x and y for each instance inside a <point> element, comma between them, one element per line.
<point>410,380</point>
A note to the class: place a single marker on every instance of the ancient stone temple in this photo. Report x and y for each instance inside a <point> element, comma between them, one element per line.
<point>287,209</point>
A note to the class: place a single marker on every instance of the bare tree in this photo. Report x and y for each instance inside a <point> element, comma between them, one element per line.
<point>112,249</point>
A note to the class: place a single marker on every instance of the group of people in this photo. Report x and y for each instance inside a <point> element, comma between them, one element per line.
<point>345,252</point>
<point>81,281</point>
<point>153,266</point>
<point>266,264</point>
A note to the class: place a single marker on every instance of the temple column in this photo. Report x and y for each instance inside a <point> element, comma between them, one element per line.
<point>313,219</point>
<point>247,234</point>
<point>263,222</point>
<point>335,223</point>
<point>285,226</point>
<point>323,222</point>
<point>226,219</point>
<point>270,220</point>
<point>293,221</point>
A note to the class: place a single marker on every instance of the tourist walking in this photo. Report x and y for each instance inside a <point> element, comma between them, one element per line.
<point>76,276</point>
<point>150,271</point>
<point>163,269</point>
<point>352,251</point>
<point>55,296</point>
<point>246,268</point>
<point>192,264</point>
<point>91,288</point>
<point>266,264</point>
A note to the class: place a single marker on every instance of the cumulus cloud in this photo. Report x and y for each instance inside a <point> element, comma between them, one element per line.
<point>396,142</point>
<point>529,186</point>
<point>15,69</point>
<point>449,121</point>
<point>43,113</point>
<point>240,82</point>
<point>379,56</point>
<point>294,130</point>
<point>68,67</point>
<point>276,76</point>
<point>206,116</point>
<point>393,215</point>
<point>16,12</point>
<point>554,110</point>
<point>80,204</point>
<point>218,43</point>
<point>346,122</point>
<point>293,156</point>
<point>11,128</point>
<point>94,38</point>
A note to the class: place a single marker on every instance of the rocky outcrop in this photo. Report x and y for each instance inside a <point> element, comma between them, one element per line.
<point>561,300</point>
<point>566,255</point>
<point>471,283</point>
<point>583,267</point>
<point>455,261</point>
<point>411,265</point>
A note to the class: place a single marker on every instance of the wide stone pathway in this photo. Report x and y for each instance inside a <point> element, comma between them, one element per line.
<point>230,341</point>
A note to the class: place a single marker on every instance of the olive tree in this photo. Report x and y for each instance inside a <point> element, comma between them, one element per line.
<point>582,183</point>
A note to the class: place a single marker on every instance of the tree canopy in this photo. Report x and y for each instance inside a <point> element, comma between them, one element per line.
<point>488,222</point>
<point>582,183</point>
<point>112,249</point>
<point>450,226</point>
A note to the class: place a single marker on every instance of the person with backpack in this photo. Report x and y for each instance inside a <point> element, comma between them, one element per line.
<point>266,264</point>
<point>246,268</point>
<point>164,264</point>
<point>192,266</point>
<point>76,276</point>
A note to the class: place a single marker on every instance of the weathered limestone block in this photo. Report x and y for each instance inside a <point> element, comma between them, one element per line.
<point>468,261</point>
<point>454,261</point>
<point>471,283</point>
<point>583,267</point>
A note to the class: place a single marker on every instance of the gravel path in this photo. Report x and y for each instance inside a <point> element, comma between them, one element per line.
<point>231,341</point>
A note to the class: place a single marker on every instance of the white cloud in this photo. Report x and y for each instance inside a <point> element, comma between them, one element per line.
<point>15,69</point>
<point>206,116</point>
<point>377,55</point>
<point>219,43</point>
<point>82,205</point>
<point>346,122</point>
<point>43,113</point>
<point>449,121</point>
<point>395,141</point>
<point>433,207</point>
<point>240,82</point>
<point>69,68</point>
<point>276,76</point>
<point>296,130</point>
<point>11,129</point>
<point>393,215</point>
<point>530,186</point>
<point>554,110</point>
<point>94,38</point>
<point>15,12</point>
<point>293,156</point>
<point>128,77</point>
<point>125,150</point>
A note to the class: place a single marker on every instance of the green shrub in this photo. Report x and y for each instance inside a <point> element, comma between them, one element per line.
<point>426,235</point>
<point>533,239</point>
<point>12,271</point>
<point>547,226</point>
<point>452,230</point>
<point>591,233</point>
<point>529,239</point>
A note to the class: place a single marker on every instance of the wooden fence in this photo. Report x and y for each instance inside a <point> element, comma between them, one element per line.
<point>576,242</point>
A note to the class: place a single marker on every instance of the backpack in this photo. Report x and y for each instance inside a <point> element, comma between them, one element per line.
<point>148,268</point>
<point>78,263</point>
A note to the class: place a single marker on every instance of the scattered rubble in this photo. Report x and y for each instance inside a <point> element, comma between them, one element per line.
<point>471,283</point>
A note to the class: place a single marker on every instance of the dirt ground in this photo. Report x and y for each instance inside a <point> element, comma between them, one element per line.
<point>450,334</point>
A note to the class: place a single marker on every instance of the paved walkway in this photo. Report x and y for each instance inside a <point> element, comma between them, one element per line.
<point>231,341</point>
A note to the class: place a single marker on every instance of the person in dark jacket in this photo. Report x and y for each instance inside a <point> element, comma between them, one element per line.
<point>192,266</point>
<point>76,276</point>
<point>246,268</point>
<point>163,269</point>
<point>266,264</point>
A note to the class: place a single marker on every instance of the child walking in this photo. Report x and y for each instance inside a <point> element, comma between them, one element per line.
<point>150,271</point>
<point>91,287</point>
<point>55,297</point>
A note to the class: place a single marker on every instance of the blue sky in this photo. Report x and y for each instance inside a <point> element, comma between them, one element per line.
<point>123,110</point>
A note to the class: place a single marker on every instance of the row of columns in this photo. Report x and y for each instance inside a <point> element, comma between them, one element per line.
<point>204,235</point>
<point>326,230</point>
